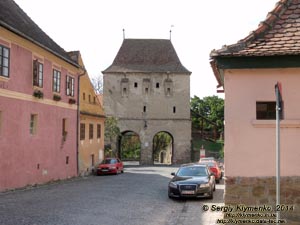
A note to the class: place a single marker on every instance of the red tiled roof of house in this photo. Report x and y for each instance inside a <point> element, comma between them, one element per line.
<point>278,34</point>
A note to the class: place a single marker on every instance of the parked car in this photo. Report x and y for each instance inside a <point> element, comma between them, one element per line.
<point>192,180</point>
<point>110,166</point>
<point>205,159</point>
<point>222,167</point>
<point>214,168</point>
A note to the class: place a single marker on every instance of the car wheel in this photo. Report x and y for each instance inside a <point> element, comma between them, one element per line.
<point>218,181</point>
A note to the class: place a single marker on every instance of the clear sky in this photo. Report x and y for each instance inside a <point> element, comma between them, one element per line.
<point>94,27</point>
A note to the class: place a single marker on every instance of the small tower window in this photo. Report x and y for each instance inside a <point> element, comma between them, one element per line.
<point>168,91</point>
<point>157,85</point>
<point>145,108</point>
<point>146,86</point>
<point>168,86</point>
<point>174,109</point>
<point>124,87</point>
<point>135,84</point>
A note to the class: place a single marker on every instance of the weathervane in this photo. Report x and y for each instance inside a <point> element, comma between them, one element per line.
<point>123,33</point>
<point>171,32</point>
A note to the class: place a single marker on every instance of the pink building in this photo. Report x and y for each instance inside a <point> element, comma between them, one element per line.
<point>248,72</point>
<point>38,103</point>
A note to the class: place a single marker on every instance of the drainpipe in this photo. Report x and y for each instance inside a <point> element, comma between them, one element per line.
<point>78,117</point>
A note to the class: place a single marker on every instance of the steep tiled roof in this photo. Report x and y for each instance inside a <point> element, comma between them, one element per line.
<point>278,35</point>
<point>13,18</point>
<point>146,55</point>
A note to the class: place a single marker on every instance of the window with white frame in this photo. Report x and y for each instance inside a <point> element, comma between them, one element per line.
<point>33,124</point>
<point>98,130</point>
<point>70,86</point>
<point>91,131</point>
<point>64,128</point>
<point>4,61</point>
<point>56,80</point>
<point>82,131</point>
<point>38,70</point>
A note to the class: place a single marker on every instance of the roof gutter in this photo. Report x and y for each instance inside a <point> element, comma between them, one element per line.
<point>217,75</point>
<point>78,117</point>
<point>5,25</point>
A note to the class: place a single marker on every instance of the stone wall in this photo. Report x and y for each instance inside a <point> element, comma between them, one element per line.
<point>181,137</point>
<point>259,191</point>
<point>148,103</point>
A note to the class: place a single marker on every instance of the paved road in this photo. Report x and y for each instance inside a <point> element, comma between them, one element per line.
<point>139,196</point>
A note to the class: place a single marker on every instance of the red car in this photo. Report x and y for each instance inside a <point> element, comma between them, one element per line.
<point>110,166</point>
<point>214,168</point>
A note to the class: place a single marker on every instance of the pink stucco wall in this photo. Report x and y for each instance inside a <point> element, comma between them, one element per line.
<point>250,143</point>
<point>27,159</point>
<point>21,73</point>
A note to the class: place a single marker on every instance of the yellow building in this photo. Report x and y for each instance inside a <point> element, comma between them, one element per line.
<point>91,124</point>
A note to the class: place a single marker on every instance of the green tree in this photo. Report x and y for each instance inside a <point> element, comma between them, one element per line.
<point>112,131</point>
<point>211,108</point>
<point>130,146</point>
<point>160,142</point>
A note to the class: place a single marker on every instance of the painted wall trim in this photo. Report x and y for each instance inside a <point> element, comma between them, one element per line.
<point>271,123</point>
<point>30,98</point>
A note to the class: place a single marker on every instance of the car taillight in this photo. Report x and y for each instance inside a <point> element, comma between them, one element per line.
<point>213,169</point>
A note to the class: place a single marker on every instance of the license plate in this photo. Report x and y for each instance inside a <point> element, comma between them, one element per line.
<point>104,170</point>
<point>188,192</point>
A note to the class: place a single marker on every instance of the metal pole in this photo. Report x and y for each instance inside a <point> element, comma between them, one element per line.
<point>277,152</point>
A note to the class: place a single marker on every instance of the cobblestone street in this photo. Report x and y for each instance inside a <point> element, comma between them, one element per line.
<point>139,196</point>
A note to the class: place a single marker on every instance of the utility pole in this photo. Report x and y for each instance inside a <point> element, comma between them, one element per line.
<point>279,106</point>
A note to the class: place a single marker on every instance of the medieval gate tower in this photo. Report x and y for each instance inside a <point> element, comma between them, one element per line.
<point>148,90</point>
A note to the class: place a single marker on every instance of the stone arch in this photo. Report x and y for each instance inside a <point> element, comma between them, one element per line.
<point>163,148</point>
<point>129,146</point>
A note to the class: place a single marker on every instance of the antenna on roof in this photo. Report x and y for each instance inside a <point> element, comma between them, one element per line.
<point>171,32</point>
<point>123,33</point>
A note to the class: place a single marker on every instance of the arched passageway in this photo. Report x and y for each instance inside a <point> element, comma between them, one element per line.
<point>162,148</point>
<point>129,146</point>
